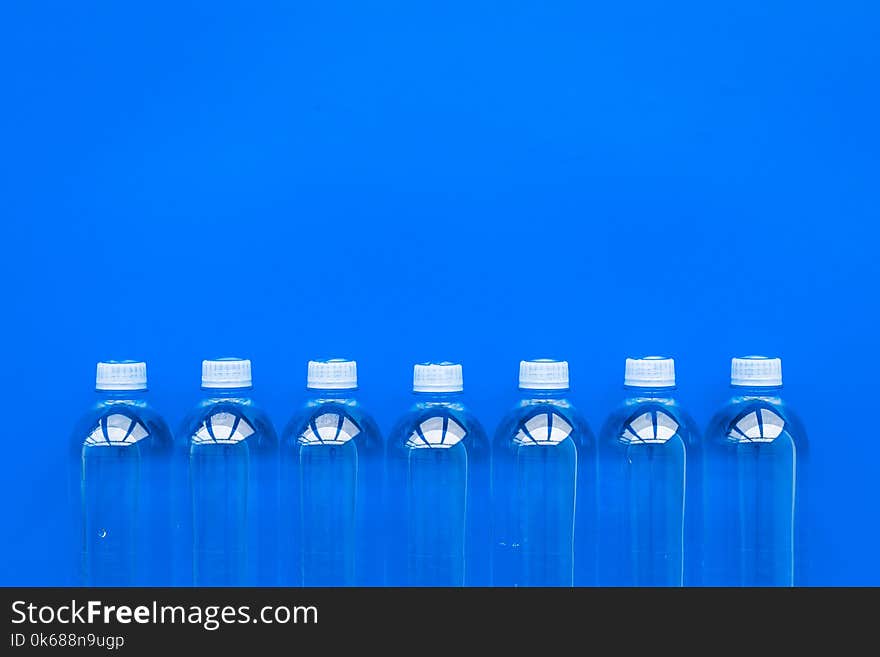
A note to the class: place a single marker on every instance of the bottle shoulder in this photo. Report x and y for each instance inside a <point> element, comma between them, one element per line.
<point>543,420</point>
<point>751,418</point>
<point>121,422</point>
<point>332,420</point>
<point>649,420</point>
<point>227,419</point>
<point>434,424</point>
<point>739,404</point>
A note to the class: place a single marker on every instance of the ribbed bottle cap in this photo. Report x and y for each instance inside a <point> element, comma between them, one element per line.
<point>226,373</point>
<point>332,374</point>
<point>437,377</point>
<point>758,371</point>
<point>121,375</point>
<point>543,374</point>
<point>650,372</point>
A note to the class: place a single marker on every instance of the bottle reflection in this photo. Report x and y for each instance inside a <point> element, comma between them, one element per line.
<point>329,472</point>
<point>438,470</point>
<point>656,466</point>
<point>219,464</point>
<point>124,502</point>
<point>765,497</point>
<point>111,464</point>
<point>536,477</point>
<point>651,473</point>
<point>437,487</point>
<point>756,475</point>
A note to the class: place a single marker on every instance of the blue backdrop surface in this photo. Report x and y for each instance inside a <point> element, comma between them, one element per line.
<point>484,182</point>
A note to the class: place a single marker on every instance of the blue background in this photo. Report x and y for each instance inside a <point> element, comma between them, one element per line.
<point>399,181</point>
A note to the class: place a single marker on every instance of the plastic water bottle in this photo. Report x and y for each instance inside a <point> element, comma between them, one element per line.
<point>438,471</point>
<point>231,457</point>
<point>120,483</point>
<point>332,478</point>
<point>650,472</point>
<point>755,465</point>
<point>543,484</point>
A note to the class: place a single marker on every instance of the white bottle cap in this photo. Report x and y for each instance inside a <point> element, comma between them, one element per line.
<point>121,375</point>
<point>226,373</point>
<point>437,377</point>
<point>758,371</point>
<point>650,372</point>
<point>332,374</point>
<point>543,374</point>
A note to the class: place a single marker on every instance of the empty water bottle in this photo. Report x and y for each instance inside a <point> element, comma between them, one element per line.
<point>230,457</point>
<point>650,471</point>
<point>544,485</point>
<point>755,480</point>
<point>119,483</point>
<point>438,473</point>
<point>332,478</point>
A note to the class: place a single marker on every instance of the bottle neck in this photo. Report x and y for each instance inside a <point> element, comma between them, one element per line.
<point>340,395</point>
<point>665,393</point>
<point>227,393</point>
<point>550,395</point>
<point>438,397</point>
<point>757,392</point>
<point>122,395</point>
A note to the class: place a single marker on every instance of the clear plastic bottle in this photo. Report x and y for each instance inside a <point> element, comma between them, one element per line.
<point>439,487</point>
<point>543,485</point>
<point>755,472</point>
<point>650,481</point>
<point>332,476</point>
<point>230,456</point>
<point>119,483</point>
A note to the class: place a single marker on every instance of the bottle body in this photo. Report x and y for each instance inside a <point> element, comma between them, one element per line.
<point>332,474</point>
<point>228,459</point>
<point>650,465</point>
<point>756,465</point>
<point>544,495</point>
<point>120,490</point>
<point>438,496</point>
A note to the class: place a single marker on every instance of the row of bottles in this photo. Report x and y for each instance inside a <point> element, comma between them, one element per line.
<point>544,503</point>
